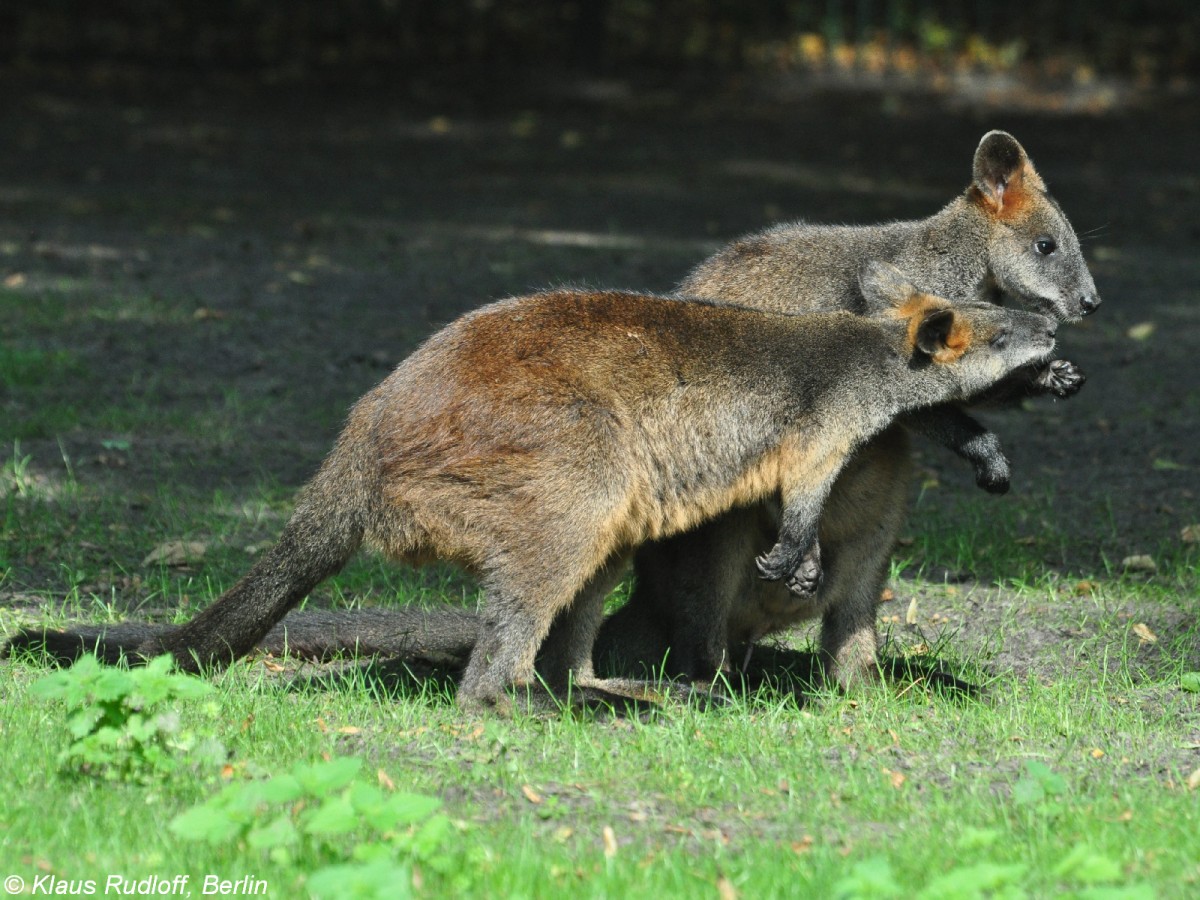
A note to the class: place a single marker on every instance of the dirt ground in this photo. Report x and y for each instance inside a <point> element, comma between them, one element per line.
<point>280,246</point>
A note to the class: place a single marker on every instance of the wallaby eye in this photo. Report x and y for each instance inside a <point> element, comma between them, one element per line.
<point>1000,339</point>
<point>1045,246</point>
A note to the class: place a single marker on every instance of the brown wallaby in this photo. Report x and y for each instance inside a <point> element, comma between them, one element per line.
<point>537,442</point>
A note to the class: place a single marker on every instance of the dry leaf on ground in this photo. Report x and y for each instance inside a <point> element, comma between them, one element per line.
<point>176,553</point>
<point>1141,331</point>
<point>610,842</point>
<point>1145,635</point>
<point>910,617</point>
<point>1139,563</point>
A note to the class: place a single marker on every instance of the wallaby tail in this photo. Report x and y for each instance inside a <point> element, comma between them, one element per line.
<point>322,535</point>
<point>442,637</point>
<point>110,643</point>
<point>316,543</point>
<point>312,548</point>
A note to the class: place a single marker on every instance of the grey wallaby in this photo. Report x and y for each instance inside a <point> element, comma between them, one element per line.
<point>1004,238</point>
<point>537,442</point>
<point>697,604</point>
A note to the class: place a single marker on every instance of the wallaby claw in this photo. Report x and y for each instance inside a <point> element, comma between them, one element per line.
<point>1062,378</point>
<point>780,561</point>
<point>799,569</point>
<point>805,580</point>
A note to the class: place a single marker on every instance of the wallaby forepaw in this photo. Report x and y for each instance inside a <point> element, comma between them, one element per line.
<point>778,563</point>
<point>993,475</point>
<point>1062,378</point>
<point>806,578</point>
<point>798,567</point>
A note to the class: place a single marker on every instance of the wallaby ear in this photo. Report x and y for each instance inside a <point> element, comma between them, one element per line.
<point>933,334</point>
<point>1003,174</point>
<point>885,285</point>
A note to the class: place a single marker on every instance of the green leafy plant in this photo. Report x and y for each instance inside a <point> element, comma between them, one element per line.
<point>870,879</point>
<point>1040,789</point>
<point>983,879</point>
<point>123,723</point>
<point>370,838</point>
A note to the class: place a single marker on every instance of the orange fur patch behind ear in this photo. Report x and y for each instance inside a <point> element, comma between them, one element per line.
<point>1012,201</point>
<point>914,309</point>
<point>957,342</point>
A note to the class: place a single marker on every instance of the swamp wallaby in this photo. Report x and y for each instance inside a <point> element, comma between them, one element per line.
<point>538,442</point>
<point>694,608</point>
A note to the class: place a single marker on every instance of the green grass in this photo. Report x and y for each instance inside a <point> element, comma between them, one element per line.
<point>1021,541</point>
<point>1067,777</point>
<point>778,801</point>
<point>897,788</point>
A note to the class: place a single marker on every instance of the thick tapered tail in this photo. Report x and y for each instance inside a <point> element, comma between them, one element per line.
<point>322,535</point>
<point>109,643</point>
<point>317,542</point>
<point>441,637</point>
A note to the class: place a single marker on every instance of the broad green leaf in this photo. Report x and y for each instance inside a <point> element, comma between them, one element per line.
<point>284,788</point>
<point>401,810</point>
<point>871,878</point>
<point>334,816</point>
<point>379,880</point>
<point>1112,892</point>
<point>1082,865</point>
<point>323,778</point>
<point>279,832</point>
<point>431,837</point>
<point>365,798</point>
<point>204,823</point>
<point>982,879</point>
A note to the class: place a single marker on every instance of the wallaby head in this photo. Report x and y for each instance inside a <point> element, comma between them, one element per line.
<point>1033,253</point>
<point>975,344</point>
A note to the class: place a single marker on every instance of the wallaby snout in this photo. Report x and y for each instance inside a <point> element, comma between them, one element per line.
<point>1089,303</point>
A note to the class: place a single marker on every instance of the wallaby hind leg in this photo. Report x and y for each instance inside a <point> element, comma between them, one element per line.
<point>635,640</point>
<point>861,521</point>
<point>687,589</point>
<point>565,657</point>
<point>519,608</point>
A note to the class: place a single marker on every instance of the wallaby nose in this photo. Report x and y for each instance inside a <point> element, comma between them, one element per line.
<point>1089,303</point>
<point>1052,330</point>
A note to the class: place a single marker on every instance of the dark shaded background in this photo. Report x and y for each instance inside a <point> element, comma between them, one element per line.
<point>221,222</point>
<point>1152,40</point>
